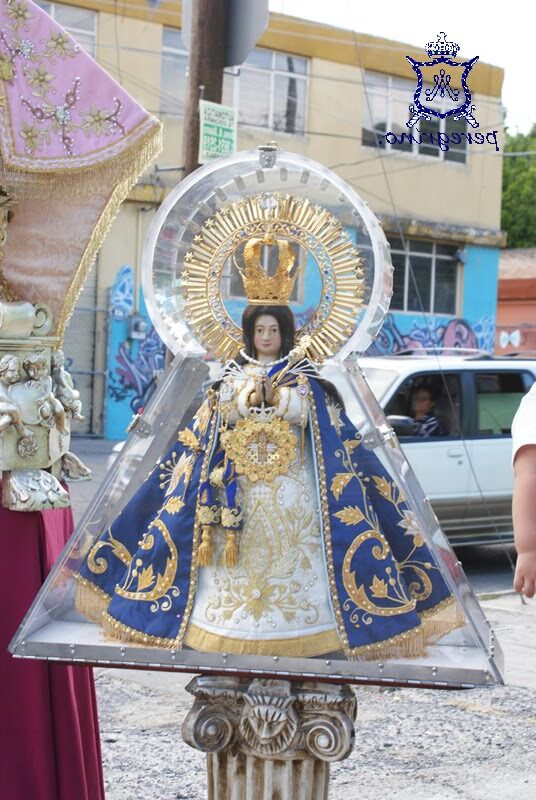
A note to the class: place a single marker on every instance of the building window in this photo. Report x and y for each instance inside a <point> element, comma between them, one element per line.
<point>498,397</point>
<point>386,102</point>
<point>425,276</point>
<point>269,89</point>
<point>173,73</point>
<point>79,22</point>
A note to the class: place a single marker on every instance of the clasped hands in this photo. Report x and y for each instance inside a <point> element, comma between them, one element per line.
<point>263,392</point>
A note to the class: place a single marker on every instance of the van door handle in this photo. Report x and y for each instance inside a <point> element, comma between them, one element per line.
<point>453,453</point>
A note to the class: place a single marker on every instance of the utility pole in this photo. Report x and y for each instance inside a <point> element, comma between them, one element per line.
<point>209,23</point>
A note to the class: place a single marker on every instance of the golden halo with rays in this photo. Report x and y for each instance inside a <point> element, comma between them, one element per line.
<point>295,219</point>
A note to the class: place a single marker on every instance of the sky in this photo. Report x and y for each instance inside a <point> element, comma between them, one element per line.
<point>499,33</point>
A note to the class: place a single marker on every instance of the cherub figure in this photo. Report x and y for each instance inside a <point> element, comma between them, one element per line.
<point>9,412</point>
<point>50,410</point>
<point>63,387</point>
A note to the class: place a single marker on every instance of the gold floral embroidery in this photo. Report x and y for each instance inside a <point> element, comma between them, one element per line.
<point>387,584</point>
<point>173,470</point>
<point>19,12</point>
<point>351,444</point>
<point>173,505</point>
<point>350,515</point>
<point>202,415</point>
<point>39,79</point>
<point>197,535</point>
<point>334,412</point>
<point>139,578</point>
<point>189,438</point>
<point>60,44</point>
<point>390,588</point>
<point>277,548</point>
<point>32,137</point>
<point>339,483</point>
<point>61,116</point>
<point>99,565</point>
<point>97,121</point>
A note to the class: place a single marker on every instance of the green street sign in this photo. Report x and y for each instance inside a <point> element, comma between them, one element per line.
<point>217,135</point>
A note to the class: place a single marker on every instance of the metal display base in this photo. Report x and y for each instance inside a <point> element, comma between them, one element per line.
<point>53,628</point>
<point>269,739</point>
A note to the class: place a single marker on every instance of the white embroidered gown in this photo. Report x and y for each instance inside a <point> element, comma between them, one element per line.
<point>276,601</point>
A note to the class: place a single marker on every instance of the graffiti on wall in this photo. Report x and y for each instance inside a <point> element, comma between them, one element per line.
<point>122,293</point>
<point>133,359</point>
<point>131,378</point>
<point>453,334</point>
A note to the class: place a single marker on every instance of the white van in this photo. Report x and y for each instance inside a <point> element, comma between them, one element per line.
<point>465,471</point>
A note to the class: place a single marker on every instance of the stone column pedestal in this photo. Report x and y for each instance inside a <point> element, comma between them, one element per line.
<point>269,739</point>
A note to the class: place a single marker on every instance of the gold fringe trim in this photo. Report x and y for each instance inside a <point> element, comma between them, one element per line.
<point>123,633</point>
<point>435,623</point>
<point>316,644</point>
<point>93,603</point>
<point>150,150</point>
<point>41,180</point>
<point>90,601</point>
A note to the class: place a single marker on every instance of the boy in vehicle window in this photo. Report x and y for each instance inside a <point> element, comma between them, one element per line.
<point>426,422</point>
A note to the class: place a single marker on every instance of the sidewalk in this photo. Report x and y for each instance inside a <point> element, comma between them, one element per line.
<point>410,743</point>
<point>98,456</point>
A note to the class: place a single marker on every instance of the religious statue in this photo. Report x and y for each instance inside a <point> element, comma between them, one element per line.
<point>64,390</point>
<point>9,412</point>
<point>50,410</point>
<point>269,527</point>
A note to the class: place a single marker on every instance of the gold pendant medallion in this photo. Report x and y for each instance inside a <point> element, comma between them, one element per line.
<point>260,450</point>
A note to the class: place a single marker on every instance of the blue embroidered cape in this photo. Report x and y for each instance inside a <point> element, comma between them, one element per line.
<point>386,588</point>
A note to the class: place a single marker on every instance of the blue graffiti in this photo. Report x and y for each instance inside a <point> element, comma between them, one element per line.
<point>133,377</point>
<point>455,334</point>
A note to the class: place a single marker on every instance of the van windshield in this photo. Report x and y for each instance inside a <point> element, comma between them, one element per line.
<point>379,379</point>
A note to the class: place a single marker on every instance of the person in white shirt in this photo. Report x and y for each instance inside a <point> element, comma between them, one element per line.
<point>524,499</point>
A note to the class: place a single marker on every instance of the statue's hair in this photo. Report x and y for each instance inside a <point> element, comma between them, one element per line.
<point>6,361</point>
<point>33,359</point>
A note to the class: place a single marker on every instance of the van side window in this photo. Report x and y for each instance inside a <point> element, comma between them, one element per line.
<point>445,392</point>
<point>498,395</point>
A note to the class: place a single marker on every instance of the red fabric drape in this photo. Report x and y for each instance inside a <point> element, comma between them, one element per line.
<point>48,715</point>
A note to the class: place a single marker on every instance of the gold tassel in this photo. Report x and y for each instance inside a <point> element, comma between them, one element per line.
<point>230,554</point>
<point>206,551</point>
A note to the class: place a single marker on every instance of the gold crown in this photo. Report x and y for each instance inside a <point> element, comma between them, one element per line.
<point>261,288</point>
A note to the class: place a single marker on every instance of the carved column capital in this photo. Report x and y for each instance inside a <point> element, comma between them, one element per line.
<point>271,719</point>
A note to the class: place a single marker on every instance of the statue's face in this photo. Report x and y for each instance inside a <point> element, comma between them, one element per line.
<point>12,373</point>
<point>267,337</point>
<point>37,370</point>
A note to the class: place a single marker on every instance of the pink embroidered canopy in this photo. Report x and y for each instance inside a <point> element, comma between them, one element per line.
<point>72,145</point>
